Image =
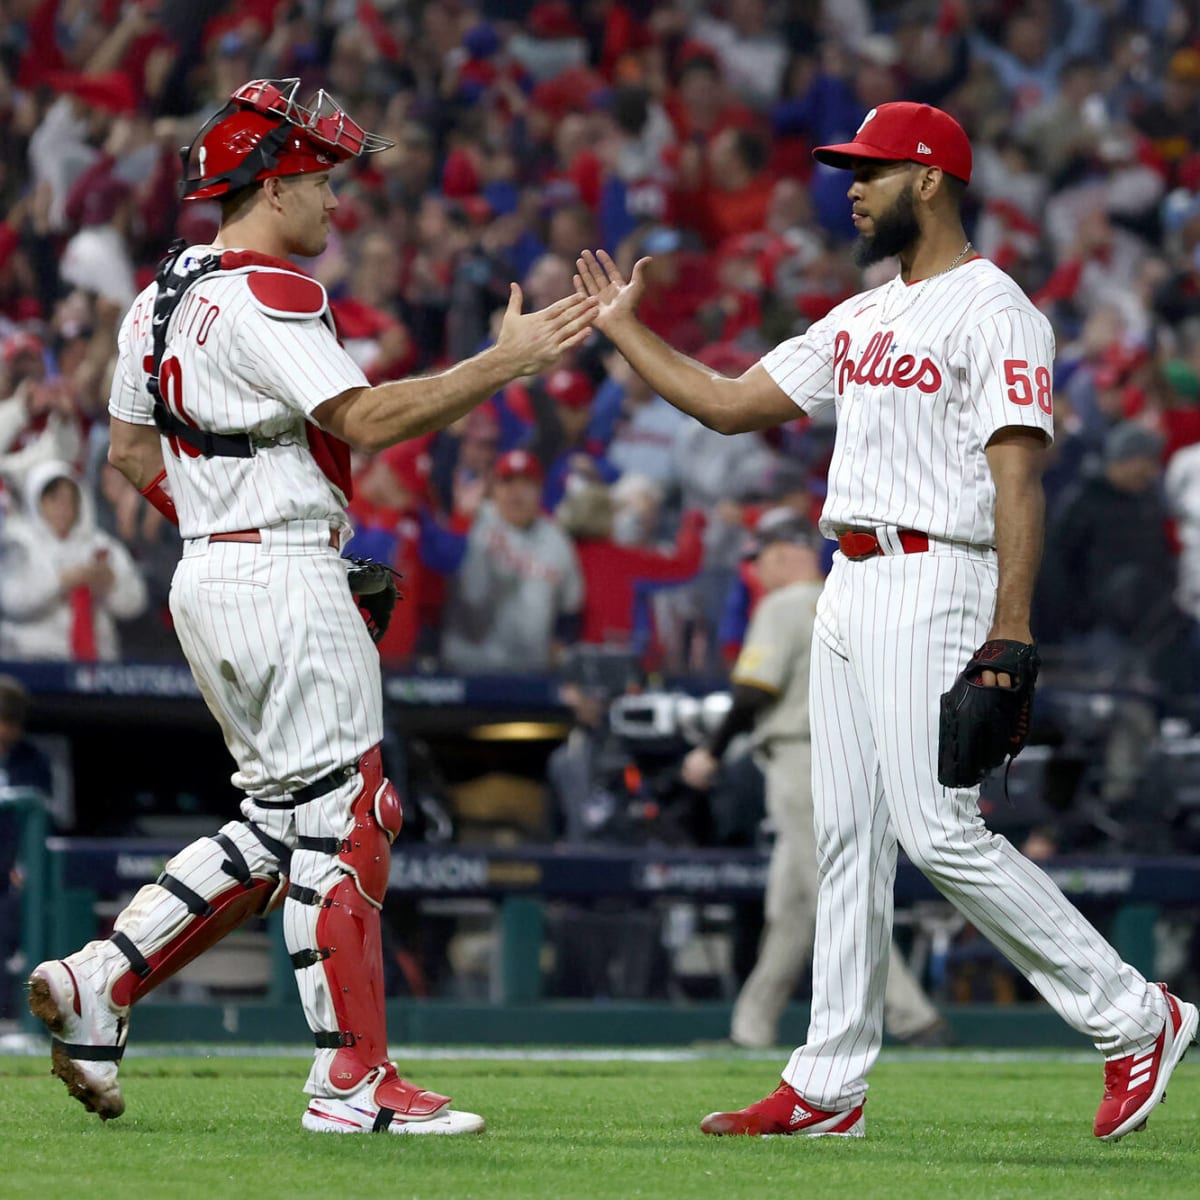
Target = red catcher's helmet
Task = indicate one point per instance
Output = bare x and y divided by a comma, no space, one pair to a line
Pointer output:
264,131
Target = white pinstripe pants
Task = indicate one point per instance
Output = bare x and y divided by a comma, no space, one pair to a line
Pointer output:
280,654
891,634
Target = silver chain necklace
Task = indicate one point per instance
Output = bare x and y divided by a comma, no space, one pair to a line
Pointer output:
910,291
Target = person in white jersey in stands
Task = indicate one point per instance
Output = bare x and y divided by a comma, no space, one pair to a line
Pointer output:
229,371
941,380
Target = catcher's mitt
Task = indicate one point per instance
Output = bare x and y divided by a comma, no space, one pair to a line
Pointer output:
982,726
373,586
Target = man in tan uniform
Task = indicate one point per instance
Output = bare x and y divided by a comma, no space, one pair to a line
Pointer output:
770,695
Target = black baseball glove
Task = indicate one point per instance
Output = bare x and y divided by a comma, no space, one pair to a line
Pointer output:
982,726
373,586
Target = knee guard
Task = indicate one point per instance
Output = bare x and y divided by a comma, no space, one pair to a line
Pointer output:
332,924
205,892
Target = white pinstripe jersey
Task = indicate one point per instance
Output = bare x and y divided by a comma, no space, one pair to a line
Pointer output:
251,351
922,375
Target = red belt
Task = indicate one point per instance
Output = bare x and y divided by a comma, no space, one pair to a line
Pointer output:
255,535
856,544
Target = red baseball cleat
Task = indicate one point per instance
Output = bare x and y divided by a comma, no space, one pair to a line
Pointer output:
785,1113
1133,1085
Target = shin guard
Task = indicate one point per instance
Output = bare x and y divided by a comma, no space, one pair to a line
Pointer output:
340,873
205,892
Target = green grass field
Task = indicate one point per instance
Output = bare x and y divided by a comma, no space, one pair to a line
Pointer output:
970,1126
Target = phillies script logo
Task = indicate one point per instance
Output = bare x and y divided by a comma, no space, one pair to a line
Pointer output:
878,366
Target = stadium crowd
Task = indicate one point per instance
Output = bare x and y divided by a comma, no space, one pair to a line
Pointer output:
579,507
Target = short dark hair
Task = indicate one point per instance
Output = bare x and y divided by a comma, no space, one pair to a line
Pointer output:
234,204
14,700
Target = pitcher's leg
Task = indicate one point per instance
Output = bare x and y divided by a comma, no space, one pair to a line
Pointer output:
856,859
942,609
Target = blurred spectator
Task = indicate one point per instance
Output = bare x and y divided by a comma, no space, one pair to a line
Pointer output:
463,459
1064,132
153,544
751,53
393,524
637,177
1108,576
1030,50
679,283
735,192
38,420
560,437
618,579
63,582
1172,121
518,594
646,432
637,510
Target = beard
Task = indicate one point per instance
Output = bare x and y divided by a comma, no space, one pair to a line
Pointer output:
895,231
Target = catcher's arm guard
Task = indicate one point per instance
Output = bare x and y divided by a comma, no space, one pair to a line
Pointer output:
373,586
982,726
158,492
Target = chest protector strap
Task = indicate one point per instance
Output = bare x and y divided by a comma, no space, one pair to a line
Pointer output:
171,288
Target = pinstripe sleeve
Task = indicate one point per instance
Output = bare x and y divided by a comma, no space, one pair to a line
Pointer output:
803,367
128,399
1011,356
299,361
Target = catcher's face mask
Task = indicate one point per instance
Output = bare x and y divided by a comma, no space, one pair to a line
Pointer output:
265,131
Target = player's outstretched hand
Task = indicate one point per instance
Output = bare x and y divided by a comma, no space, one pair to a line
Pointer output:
535,341
597,276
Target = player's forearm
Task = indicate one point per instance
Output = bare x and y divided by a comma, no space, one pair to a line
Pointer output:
1020,513
378,417
681,381
136,451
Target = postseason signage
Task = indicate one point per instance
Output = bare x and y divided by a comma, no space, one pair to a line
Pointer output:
115,865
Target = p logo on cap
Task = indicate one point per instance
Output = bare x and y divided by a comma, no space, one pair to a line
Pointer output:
905,132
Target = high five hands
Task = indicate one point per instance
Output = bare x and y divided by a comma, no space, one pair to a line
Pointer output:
599,278
535,341
602,300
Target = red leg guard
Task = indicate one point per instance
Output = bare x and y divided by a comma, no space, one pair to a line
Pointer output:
224,913
348,932
378,817
348,926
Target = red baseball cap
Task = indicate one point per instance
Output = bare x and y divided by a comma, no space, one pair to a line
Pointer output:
570,388
410,466
906,132
22,342
519,464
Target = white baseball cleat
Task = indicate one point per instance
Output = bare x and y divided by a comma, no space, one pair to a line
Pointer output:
326,1115
87,1037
